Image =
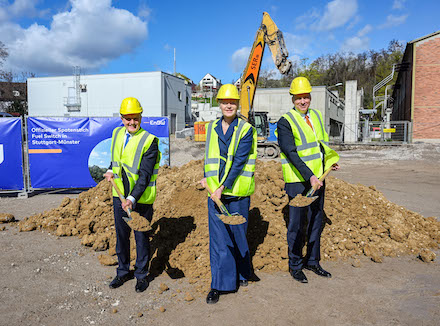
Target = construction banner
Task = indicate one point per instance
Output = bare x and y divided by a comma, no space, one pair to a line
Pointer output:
75,152
11,158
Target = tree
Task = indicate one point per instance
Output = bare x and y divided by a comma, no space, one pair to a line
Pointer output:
3,55
9,84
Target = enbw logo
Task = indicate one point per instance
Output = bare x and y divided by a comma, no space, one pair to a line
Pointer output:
157,122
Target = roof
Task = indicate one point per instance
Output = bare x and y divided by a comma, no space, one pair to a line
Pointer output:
424,37
8,89
211,76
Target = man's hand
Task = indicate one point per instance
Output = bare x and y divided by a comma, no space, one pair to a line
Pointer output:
203,182
108,176
128,204
218,192
314,181
335,167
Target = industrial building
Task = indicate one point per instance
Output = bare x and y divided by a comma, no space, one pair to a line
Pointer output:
160,94
416,92
278,101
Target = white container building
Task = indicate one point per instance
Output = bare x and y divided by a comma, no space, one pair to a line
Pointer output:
160,94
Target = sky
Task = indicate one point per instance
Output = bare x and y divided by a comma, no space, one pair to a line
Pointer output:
49,37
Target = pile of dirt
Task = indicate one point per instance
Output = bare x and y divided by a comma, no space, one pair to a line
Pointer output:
359,221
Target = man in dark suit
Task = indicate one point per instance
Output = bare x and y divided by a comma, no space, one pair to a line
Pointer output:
135,162
305,156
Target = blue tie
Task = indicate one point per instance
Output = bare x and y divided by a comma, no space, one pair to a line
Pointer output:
127,138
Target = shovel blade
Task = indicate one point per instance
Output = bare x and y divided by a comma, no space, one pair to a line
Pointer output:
302,201
234,219
127,219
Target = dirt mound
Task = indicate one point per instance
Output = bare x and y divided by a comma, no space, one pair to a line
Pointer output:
359,221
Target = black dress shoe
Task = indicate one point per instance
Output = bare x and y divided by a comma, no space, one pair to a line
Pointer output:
141,285
213,296
118,281
299,276
243,283
318,270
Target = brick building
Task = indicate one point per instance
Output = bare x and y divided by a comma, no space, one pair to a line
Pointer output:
417,90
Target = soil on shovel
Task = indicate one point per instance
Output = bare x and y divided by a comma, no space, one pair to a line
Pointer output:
139,223
302,201
232,219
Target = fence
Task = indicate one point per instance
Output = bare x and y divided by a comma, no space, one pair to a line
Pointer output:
377,132
58,153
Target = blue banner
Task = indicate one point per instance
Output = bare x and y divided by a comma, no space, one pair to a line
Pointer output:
11,158
73,152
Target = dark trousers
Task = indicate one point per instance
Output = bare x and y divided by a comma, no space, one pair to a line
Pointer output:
228,246
123,241
305,222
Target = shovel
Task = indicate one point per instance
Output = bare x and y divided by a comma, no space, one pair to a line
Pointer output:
302,201
226,217
122,198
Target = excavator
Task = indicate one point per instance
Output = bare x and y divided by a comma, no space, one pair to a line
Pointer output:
269,34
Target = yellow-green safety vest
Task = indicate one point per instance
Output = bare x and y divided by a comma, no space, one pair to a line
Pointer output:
244,184
129,159
308,146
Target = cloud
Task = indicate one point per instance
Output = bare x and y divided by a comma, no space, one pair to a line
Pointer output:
22,8
364,31
89,35
337,13
307,20
359,42
144,11
399,4
354,22
355,44
296,44
239,59
393,21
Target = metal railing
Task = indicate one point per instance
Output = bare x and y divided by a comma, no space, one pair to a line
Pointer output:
380,132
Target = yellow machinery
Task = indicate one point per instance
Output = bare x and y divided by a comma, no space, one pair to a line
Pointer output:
269,34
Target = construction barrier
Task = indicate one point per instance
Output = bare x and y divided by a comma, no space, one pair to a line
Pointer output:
75,152
11,157
200,130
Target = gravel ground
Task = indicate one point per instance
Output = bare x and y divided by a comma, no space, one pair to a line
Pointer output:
48,280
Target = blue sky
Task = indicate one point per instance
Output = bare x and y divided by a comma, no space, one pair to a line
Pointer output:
48,37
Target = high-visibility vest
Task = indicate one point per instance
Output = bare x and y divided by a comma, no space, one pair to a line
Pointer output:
129,159
308,144
244,184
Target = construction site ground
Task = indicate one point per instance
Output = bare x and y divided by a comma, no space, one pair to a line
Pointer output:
52,280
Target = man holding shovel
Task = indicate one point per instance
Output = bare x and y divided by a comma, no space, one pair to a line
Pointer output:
135,162
230,154
305,156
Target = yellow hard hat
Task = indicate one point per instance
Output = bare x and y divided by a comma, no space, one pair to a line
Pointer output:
228,91
300,85
130,105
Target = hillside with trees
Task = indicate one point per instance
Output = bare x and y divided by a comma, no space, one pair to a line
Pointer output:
368,68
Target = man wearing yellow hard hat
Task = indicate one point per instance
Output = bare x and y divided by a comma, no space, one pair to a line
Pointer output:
230,154
134,165
305,156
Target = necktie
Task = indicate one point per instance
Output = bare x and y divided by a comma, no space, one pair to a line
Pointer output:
127,138
308,122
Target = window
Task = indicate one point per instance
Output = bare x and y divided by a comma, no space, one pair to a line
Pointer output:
179,95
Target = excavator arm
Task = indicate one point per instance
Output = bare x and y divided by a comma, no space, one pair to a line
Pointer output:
269,34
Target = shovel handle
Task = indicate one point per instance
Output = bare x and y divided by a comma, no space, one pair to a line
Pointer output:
219,203
121,197
321,178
